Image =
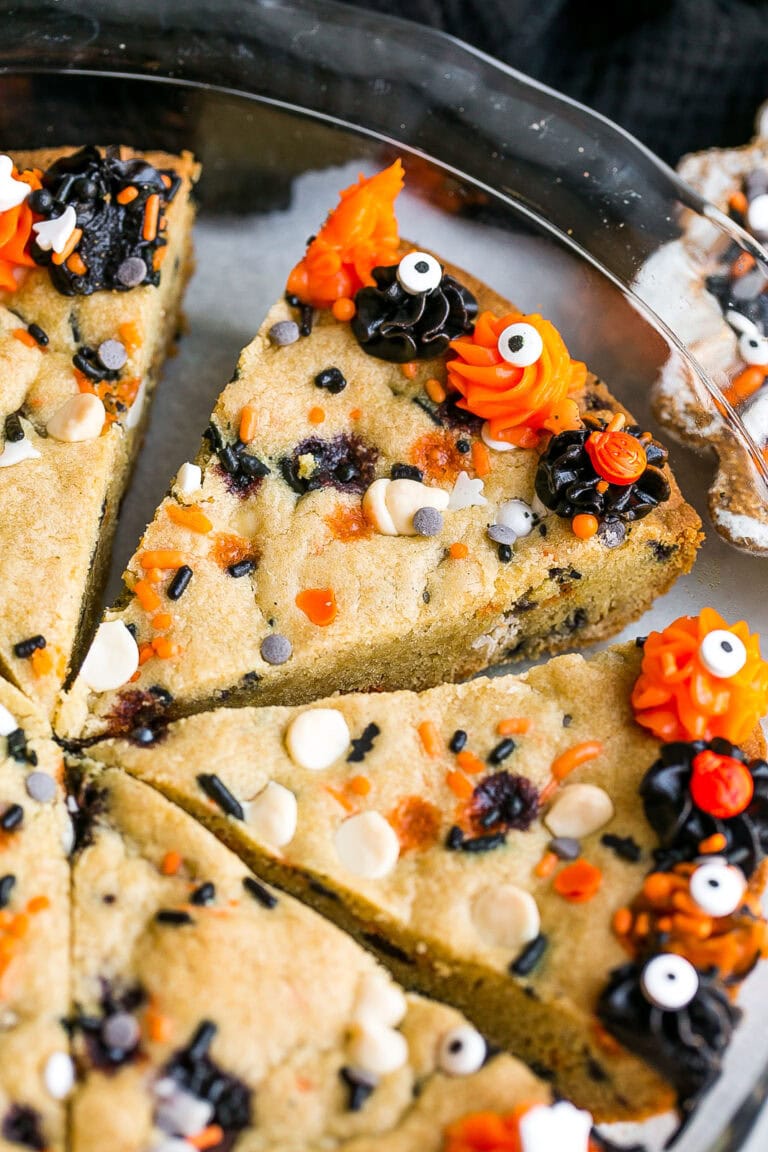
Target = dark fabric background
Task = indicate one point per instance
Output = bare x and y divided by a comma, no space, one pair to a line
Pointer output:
679,74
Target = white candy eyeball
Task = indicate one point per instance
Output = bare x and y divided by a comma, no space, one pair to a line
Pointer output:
722,654
717,888
419,272
669,982
517,515
520,344
462,1051
753,349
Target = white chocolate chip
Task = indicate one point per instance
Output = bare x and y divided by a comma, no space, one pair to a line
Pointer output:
112,658
375,507
466,493
379,1001
317,738
273,815
54,234
757,214
496,445
367,845
183,1113
134,414
59,1075
12,191
578,810
8,722
405,497
558,1126
506,916
189,479
462,1051
377,1051
79,418
17,450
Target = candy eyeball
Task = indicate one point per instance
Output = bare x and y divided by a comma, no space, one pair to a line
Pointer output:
753,349
462,1051
419,272
717,887
722,654
669,982
520,344
517,515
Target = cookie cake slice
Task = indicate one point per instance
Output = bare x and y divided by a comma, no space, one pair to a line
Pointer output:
405,481
573,857
95,251
212,1012
35,839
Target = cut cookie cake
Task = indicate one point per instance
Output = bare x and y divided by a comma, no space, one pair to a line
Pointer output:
573,857
95,250
211,1012
405,481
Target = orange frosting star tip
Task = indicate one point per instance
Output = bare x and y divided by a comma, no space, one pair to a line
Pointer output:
360,234
701,678
520,401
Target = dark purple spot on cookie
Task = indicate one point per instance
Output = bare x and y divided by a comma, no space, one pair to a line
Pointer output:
137,709
194,1070
23,1125
503,802
661,551
346,463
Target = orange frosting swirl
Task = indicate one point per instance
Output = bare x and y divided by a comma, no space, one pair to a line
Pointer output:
677,698
15,232
518,403
616,456
358,235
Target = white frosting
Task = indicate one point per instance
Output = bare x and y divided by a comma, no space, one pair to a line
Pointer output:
16,451
55,234
12,191
8,722
133,416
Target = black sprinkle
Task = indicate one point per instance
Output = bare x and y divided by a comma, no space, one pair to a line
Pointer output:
84,365
216,790
18,749
359,1089
38,335
321,890
463,446
180,582
75,328
524,605
503,749
173,916
595,1071
261,894
406,472
483,843
13,428
425,407
12,817
6,887
25,648
458,740
625,847
505,553
542,529
202,1040
567,720
530,956
306,319
426,597
205,894
640,641
363,744
454,839
133,631
387,947
242,568
332,379
213,436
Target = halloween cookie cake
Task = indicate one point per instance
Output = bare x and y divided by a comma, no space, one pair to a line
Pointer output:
405,481
95,251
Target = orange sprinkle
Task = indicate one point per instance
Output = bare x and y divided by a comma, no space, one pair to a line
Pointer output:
546,865
164,648
146,596
158,256
435,390
210,1137
430,738
343,309
436,454
190,516
316,415
161,558
355,413
76,264
318,605
42,661
72,243
146,652
24,337
126,195
130,336
154,575
409,370
574,757
159,1027
745,384
578,882
742,264
458,551
714,843
171,863
360,785
584,525
249,419
38,904
513,726
601,486
162,621
738,201
622,921
481,458
340,798
151,216
459,784
469,762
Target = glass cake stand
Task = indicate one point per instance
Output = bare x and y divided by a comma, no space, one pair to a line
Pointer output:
285,101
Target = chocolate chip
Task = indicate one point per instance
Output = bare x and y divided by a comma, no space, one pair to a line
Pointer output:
112,355
427,521
132,272
276,649
284,332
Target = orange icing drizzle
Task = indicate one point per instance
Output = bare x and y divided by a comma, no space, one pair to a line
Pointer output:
15,232
678,699
229,549
518,403
348,523
359,234
436,454
14,927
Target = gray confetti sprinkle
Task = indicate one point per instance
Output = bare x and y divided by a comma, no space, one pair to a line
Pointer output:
121,1031
132,272
284,332
112,354
500,534
748,287
565,847
276,649
427,521
41,787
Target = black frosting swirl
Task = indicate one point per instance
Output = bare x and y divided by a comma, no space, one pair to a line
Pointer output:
566,481
681,825
396,325
112,232
685,1046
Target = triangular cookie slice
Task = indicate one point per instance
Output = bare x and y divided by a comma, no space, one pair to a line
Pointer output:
212,1012
357,522
35,838
95,251
491,841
